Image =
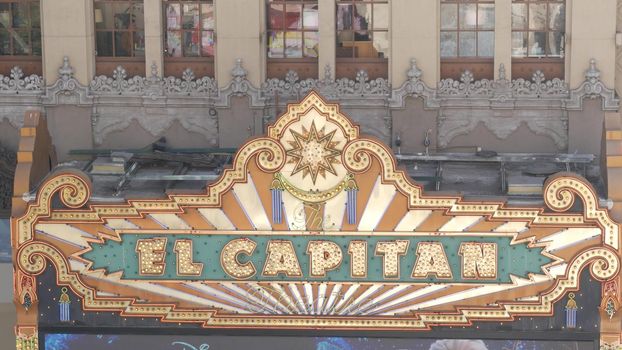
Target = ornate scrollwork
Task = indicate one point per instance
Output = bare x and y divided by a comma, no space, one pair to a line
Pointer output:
67,89
74,192
190,85
361,86
118,83
356,156
465,87
16,82
539,87
291,86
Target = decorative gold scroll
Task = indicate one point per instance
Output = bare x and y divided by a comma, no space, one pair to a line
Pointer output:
365,160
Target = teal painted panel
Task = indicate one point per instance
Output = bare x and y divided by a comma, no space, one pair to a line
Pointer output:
112,256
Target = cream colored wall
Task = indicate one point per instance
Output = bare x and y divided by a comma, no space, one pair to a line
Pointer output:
154,36
68,30
503,37
240,33
592,35
414,34
240,28
327,14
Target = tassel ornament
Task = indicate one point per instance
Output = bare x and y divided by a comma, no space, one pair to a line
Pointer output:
571,312
276,189
351,189
63,305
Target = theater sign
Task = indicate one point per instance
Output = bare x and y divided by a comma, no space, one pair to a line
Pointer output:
315,227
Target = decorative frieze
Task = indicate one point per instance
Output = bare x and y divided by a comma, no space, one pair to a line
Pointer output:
453,98
188,85
539,87
18,83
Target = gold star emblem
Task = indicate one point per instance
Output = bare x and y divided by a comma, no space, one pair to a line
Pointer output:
313,152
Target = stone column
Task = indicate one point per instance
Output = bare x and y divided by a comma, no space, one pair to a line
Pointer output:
68,30
503,37
327,37
592,31
240,33
415,34
154,36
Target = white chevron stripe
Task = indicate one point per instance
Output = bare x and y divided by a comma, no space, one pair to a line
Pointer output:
65,233
294,212
334,210
321,298
331,299
569,237
170,221
513,227
217,218
379,300
412,220
300,301
360,300
460,223
475,292
345,297
379,200
120,224
243,294
248,198
407,299
158,289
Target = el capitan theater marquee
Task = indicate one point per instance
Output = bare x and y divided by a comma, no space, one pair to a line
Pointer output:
314,240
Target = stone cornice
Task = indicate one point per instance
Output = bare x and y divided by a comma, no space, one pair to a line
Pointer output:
191,90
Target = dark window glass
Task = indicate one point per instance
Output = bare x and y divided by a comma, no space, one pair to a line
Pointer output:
538,28
292,28
119,28
467,28
189,28
363,28
20,25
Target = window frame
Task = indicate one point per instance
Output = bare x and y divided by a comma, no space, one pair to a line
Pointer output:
132,30
371,30
547,30
302,30
31,56
476,29
200,31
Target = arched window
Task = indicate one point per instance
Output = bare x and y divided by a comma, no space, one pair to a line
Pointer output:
189,40
538,37
467,38
293,38
120,36
20,36
362,37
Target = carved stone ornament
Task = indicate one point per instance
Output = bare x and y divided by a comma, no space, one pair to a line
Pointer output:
153,86
108,92
592,88
67,89
18,83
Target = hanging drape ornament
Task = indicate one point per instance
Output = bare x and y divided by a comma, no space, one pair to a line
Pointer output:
63,305
276,188
610,299
571,312
27,302
610,309
27,294
351,189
